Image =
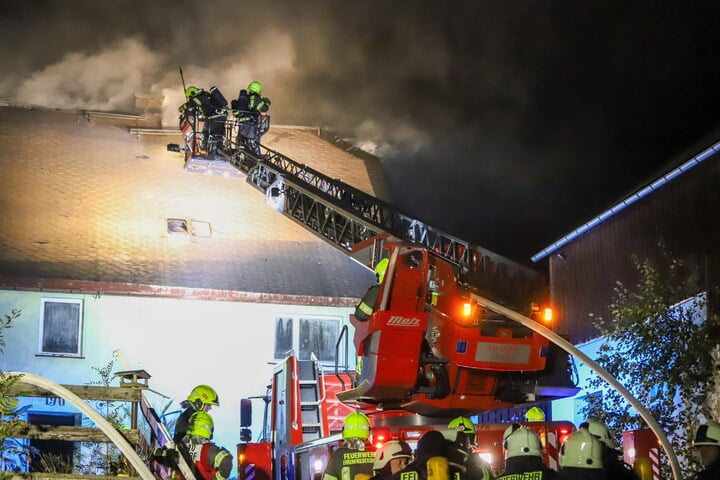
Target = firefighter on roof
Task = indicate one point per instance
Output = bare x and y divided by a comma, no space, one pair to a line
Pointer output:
209,461
352,461
201,399
251,109
523,455
612,463
707,444
365,308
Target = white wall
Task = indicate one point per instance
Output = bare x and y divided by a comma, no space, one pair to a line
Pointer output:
568,408
181,343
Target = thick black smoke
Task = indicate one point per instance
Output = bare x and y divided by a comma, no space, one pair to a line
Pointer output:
505,123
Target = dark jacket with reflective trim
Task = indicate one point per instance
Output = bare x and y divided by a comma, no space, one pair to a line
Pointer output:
527,468
345,463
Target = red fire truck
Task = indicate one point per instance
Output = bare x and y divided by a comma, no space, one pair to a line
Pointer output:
427,354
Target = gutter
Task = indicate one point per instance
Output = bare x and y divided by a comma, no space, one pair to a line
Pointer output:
618,207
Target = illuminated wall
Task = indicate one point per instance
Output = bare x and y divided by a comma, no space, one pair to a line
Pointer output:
181,343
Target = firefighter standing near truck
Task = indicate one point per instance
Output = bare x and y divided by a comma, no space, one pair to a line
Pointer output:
201,398
392,457
353,460
209,461
431,460
707,445
581,457
523,455
616,468
465,438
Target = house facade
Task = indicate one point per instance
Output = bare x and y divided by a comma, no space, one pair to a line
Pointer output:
113,253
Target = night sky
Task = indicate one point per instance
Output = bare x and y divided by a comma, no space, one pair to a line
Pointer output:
506,123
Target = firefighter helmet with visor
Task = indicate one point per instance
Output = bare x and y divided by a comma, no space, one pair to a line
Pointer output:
203,395
201,425
581,450
600,431
191,91
255,87
356,425
707,434
465,428
522,442
390,451
380,269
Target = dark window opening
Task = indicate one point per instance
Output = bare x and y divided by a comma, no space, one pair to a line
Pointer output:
52,456
177,225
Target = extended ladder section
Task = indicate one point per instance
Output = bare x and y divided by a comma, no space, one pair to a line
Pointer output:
311,397
162,437
357,222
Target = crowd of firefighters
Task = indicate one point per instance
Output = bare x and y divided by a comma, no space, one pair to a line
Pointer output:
250,110
588,453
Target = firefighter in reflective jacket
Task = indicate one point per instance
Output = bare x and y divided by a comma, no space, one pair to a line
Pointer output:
581,457
365,308
251,109
462,438
209,461
616,468
211,106
523,455
352,461
201,398
433,460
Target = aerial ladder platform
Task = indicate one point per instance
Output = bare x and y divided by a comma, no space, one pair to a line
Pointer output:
369,229
359,223
352,220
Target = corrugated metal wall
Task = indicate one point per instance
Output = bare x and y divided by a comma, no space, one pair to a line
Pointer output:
685,213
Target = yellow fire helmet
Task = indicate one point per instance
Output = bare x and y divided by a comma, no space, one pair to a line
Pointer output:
201,425
356,425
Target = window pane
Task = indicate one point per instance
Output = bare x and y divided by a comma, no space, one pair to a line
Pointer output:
61,327
283,337
319,337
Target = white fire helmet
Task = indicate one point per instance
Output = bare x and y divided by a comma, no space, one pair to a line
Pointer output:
602,433
390,450
707,434
581,450
523,442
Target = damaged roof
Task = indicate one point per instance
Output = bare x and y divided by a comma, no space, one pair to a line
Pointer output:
86,204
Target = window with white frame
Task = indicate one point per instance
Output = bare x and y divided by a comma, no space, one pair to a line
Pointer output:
61,323
305,336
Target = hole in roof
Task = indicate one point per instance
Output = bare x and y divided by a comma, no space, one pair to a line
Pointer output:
177,225
142,157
